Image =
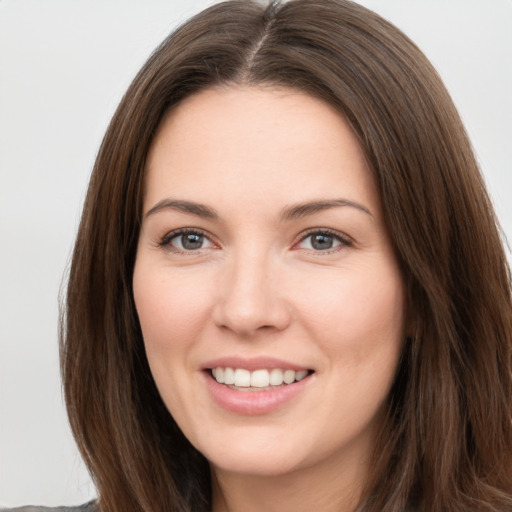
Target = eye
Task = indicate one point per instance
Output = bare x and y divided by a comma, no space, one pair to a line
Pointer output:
186,241
322,240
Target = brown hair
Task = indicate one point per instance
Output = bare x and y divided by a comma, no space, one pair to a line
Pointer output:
446,443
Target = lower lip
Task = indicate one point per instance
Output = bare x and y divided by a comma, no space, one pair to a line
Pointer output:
253,403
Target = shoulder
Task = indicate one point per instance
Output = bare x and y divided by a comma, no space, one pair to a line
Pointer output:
91,506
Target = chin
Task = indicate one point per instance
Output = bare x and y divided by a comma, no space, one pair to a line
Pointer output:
255,464
252,453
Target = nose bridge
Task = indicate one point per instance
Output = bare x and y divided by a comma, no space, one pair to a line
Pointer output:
250,295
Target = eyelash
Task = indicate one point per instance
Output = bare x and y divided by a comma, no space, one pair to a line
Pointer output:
165,242
344,240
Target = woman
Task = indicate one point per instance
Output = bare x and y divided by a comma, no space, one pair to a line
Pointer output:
288,289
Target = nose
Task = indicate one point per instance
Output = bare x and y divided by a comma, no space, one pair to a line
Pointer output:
251,298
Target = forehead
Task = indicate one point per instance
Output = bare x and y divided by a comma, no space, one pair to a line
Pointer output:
256,140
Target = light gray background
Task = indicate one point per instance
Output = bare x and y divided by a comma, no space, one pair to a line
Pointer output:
64,65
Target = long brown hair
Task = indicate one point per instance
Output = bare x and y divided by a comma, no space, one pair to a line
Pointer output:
446,443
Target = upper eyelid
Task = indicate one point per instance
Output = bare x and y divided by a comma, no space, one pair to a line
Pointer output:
179,231
332,232
164,241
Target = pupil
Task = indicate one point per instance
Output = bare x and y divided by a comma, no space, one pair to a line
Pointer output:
322,242
192,241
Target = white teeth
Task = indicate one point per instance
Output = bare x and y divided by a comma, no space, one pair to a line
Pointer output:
229,376
288,376
276,377
219,375
298,375
243,378
260,379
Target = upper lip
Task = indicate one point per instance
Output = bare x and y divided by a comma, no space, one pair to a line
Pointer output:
254,363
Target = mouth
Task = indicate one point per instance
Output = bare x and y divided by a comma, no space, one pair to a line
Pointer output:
241,379
256,386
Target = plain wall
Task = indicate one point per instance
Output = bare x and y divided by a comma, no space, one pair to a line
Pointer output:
64,65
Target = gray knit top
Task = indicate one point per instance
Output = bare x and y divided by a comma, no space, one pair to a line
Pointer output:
91,506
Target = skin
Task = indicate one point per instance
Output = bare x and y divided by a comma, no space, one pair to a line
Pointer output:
257,286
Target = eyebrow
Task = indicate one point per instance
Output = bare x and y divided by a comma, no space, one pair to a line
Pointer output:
301,210
296,211
201,210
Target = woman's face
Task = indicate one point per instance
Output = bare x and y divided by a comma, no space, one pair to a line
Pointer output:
263,256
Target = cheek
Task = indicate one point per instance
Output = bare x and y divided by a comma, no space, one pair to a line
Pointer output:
358,323
357,314
171,307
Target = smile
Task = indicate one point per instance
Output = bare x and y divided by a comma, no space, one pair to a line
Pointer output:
230,385
242,379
